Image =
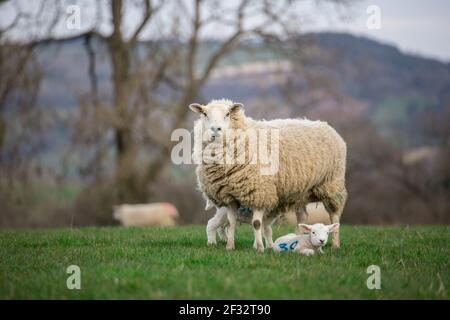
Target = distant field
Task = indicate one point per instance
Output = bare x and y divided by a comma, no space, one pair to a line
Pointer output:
175,263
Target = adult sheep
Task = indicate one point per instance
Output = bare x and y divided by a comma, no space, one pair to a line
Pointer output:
311,166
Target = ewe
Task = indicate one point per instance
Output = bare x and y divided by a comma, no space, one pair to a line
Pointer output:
315,238
310,166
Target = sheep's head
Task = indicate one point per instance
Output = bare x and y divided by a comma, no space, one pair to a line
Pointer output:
117,212
318,232
216,117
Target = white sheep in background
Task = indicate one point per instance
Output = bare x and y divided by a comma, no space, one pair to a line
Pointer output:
140,215
311,167
307,244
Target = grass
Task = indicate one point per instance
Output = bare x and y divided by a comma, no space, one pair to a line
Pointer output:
175,263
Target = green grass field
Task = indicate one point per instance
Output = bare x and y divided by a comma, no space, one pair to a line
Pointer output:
175,263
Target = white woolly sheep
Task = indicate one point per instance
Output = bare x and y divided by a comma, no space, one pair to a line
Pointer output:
307,244
311,167
139,215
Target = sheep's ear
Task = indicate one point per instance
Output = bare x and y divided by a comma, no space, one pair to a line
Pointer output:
236,107
304,227
333,227
196,107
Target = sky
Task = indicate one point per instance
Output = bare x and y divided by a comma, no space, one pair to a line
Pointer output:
420,27
415,26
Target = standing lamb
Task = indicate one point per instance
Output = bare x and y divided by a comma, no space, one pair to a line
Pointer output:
311,167
219,224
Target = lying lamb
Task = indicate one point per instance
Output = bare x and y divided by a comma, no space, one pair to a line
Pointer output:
312,239
311,168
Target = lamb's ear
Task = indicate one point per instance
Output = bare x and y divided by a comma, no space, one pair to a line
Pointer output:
209,205
236,107
333,227
304,227
196,107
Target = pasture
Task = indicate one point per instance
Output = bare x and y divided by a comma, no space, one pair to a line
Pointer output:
175,263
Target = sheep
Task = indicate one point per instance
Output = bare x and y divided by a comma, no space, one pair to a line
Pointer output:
307,244
154,214
311,167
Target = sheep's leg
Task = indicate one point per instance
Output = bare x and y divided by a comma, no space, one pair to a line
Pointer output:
335,242
257,222
302,216
214,223
335,206
231,215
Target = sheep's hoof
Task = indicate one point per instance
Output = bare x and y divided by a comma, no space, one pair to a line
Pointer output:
212,243
335,247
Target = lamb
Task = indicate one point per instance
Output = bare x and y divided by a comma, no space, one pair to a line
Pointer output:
154,214
307,244
219,224
311,167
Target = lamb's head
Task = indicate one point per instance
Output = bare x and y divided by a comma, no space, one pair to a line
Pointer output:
318,232
216,117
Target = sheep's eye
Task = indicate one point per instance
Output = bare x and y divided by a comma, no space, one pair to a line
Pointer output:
204,113
228,114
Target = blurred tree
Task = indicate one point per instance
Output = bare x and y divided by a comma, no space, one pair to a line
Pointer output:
152,81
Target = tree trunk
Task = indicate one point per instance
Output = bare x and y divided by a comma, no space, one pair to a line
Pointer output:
120,56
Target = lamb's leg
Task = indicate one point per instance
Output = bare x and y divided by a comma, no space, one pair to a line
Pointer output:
231,215
302,216
214,223
222,230
257,222
307,252
268,234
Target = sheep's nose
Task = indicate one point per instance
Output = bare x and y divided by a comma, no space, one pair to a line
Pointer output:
322,241
216,129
